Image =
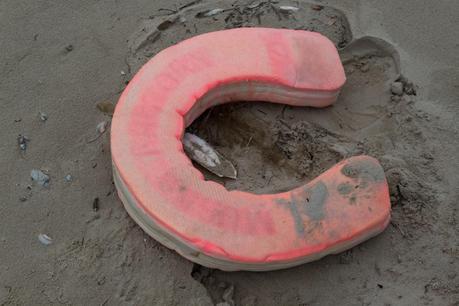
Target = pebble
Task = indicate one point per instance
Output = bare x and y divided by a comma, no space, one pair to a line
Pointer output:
317,7
397,88
22,142
228,295
68,178
365,68
39,177
396,98
69,48
222,285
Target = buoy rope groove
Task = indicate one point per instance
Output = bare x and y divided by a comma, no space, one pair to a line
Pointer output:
201,220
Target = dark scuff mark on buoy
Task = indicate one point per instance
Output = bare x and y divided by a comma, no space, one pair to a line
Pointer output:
365,170
310,202
292,206
316,197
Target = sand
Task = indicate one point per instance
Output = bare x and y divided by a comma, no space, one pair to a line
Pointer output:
64,58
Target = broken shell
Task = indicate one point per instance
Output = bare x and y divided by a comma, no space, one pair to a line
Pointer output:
101,127
43,116
45,239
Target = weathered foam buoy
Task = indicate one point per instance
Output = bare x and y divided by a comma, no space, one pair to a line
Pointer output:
201,220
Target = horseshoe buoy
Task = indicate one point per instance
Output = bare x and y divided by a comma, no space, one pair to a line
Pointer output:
201,220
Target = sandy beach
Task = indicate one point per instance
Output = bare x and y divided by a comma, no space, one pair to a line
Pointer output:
67,239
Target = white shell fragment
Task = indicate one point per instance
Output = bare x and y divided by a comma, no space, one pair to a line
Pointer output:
210,13
43,116
288,9
39,177
45,239
101,127
201,152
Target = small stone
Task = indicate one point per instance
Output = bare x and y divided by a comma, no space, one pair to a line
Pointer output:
69,48
365,68
40,177
106,107
410,89
101,127
68,178
397,88
222,285
123,73
452,275
228,294
95,204
317,7
395,98
23,199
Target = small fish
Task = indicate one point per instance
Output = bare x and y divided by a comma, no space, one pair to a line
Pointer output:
209,13
202,153
45,239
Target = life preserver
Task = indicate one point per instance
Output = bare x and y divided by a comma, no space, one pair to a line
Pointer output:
201,220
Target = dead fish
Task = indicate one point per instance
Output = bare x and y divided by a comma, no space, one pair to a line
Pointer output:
40,177
209,13
288,9
22,142
106,107
45,239
202,153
